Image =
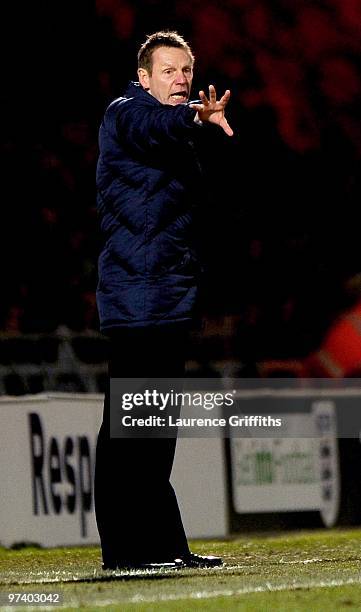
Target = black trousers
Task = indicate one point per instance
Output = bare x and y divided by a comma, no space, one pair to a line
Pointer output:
136,507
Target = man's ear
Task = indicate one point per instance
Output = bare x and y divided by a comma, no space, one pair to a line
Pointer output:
143,78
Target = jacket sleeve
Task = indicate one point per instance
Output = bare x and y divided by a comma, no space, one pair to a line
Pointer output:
144,127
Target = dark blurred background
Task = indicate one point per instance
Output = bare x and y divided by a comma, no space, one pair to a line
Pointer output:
279,226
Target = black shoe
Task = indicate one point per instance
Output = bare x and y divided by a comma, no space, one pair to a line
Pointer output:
199,561
127,566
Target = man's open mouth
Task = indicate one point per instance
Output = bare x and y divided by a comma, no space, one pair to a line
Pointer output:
180,95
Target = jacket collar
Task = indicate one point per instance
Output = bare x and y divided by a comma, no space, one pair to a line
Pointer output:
135,89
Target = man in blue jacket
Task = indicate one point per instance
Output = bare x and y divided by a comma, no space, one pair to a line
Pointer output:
148,181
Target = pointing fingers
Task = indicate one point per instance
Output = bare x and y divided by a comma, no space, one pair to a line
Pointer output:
213,97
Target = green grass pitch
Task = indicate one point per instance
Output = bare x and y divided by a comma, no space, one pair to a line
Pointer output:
283,572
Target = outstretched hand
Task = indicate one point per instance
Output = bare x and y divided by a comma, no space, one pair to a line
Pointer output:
212,110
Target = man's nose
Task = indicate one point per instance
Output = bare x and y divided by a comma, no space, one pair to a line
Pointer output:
181,78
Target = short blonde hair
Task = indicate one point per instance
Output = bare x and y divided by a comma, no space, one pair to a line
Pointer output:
163,38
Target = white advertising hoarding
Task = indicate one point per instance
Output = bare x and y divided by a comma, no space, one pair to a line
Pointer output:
46,469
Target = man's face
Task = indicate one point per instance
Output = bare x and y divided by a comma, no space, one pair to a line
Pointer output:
171,78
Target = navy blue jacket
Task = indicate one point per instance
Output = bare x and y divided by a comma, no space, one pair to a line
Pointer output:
148,182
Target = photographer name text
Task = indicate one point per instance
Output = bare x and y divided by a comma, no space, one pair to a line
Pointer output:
171,421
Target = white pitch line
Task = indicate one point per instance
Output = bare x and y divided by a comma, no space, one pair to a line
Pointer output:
198,595
269,588
248,590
